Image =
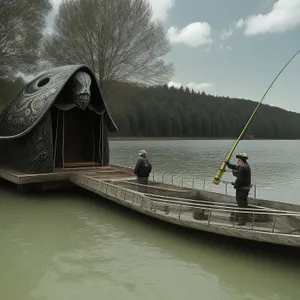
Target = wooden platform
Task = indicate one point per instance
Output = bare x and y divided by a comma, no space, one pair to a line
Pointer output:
86,164
103,173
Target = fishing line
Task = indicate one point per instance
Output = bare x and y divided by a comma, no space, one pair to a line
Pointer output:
220,172
259,114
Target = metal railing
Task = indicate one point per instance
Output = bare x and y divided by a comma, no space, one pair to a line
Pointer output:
190,182
186,212
161,177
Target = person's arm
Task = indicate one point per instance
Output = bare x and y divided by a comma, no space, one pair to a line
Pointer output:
137,166
231,166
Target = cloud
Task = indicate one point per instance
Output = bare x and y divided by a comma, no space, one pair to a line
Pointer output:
193,35
240,23
226,34
224,47
284,16
161,8
201,87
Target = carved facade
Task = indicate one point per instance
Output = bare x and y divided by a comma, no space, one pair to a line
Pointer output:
59,119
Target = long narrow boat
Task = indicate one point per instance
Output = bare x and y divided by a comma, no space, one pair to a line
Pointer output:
182,204
268,221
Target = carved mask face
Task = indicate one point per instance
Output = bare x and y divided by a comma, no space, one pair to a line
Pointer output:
81,88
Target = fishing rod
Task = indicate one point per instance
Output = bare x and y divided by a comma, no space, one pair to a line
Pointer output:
217,178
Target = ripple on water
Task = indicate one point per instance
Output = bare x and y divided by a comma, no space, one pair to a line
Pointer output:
80,247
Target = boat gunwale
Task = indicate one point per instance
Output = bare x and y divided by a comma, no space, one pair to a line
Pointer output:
288,239
263,210
202,202
170,217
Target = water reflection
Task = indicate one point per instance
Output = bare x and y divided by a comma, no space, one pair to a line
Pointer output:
80,247
77,246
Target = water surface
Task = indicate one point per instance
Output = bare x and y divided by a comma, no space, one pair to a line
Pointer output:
78,246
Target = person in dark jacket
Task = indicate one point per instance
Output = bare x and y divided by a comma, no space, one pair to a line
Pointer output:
143,168
242,184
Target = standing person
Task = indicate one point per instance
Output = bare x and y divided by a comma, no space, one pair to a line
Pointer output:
142,168
242,184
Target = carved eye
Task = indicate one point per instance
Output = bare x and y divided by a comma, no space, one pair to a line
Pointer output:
37,84
43,82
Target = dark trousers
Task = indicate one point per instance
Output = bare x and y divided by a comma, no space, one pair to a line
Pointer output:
242,202
142,180
241,196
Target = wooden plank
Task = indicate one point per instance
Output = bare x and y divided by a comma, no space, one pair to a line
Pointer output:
103,173
81,164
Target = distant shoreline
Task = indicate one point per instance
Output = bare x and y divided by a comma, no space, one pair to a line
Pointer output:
135,138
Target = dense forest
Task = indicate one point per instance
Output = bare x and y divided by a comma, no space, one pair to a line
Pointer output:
169,112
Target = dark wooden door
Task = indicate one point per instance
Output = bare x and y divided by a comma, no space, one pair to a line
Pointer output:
75,144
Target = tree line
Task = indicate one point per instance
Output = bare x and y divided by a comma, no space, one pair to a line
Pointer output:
169,112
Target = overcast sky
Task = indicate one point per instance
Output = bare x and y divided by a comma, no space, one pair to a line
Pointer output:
234,47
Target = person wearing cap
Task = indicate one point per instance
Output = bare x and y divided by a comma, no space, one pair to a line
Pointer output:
242,184
142,168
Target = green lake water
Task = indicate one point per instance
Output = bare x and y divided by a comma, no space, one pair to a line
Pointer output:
75,245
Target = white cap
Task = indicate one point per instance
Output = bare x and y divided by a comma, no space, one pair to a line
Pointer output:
142,152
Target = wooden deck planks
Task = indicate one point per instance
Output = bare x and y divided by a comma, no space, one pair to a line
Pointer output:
103,173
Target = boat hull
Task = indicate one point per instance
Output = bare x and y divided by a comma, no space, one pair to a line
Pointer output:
183,216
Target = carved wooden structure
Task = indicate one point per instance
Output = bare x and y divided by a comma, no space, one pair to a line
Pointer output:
58,120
